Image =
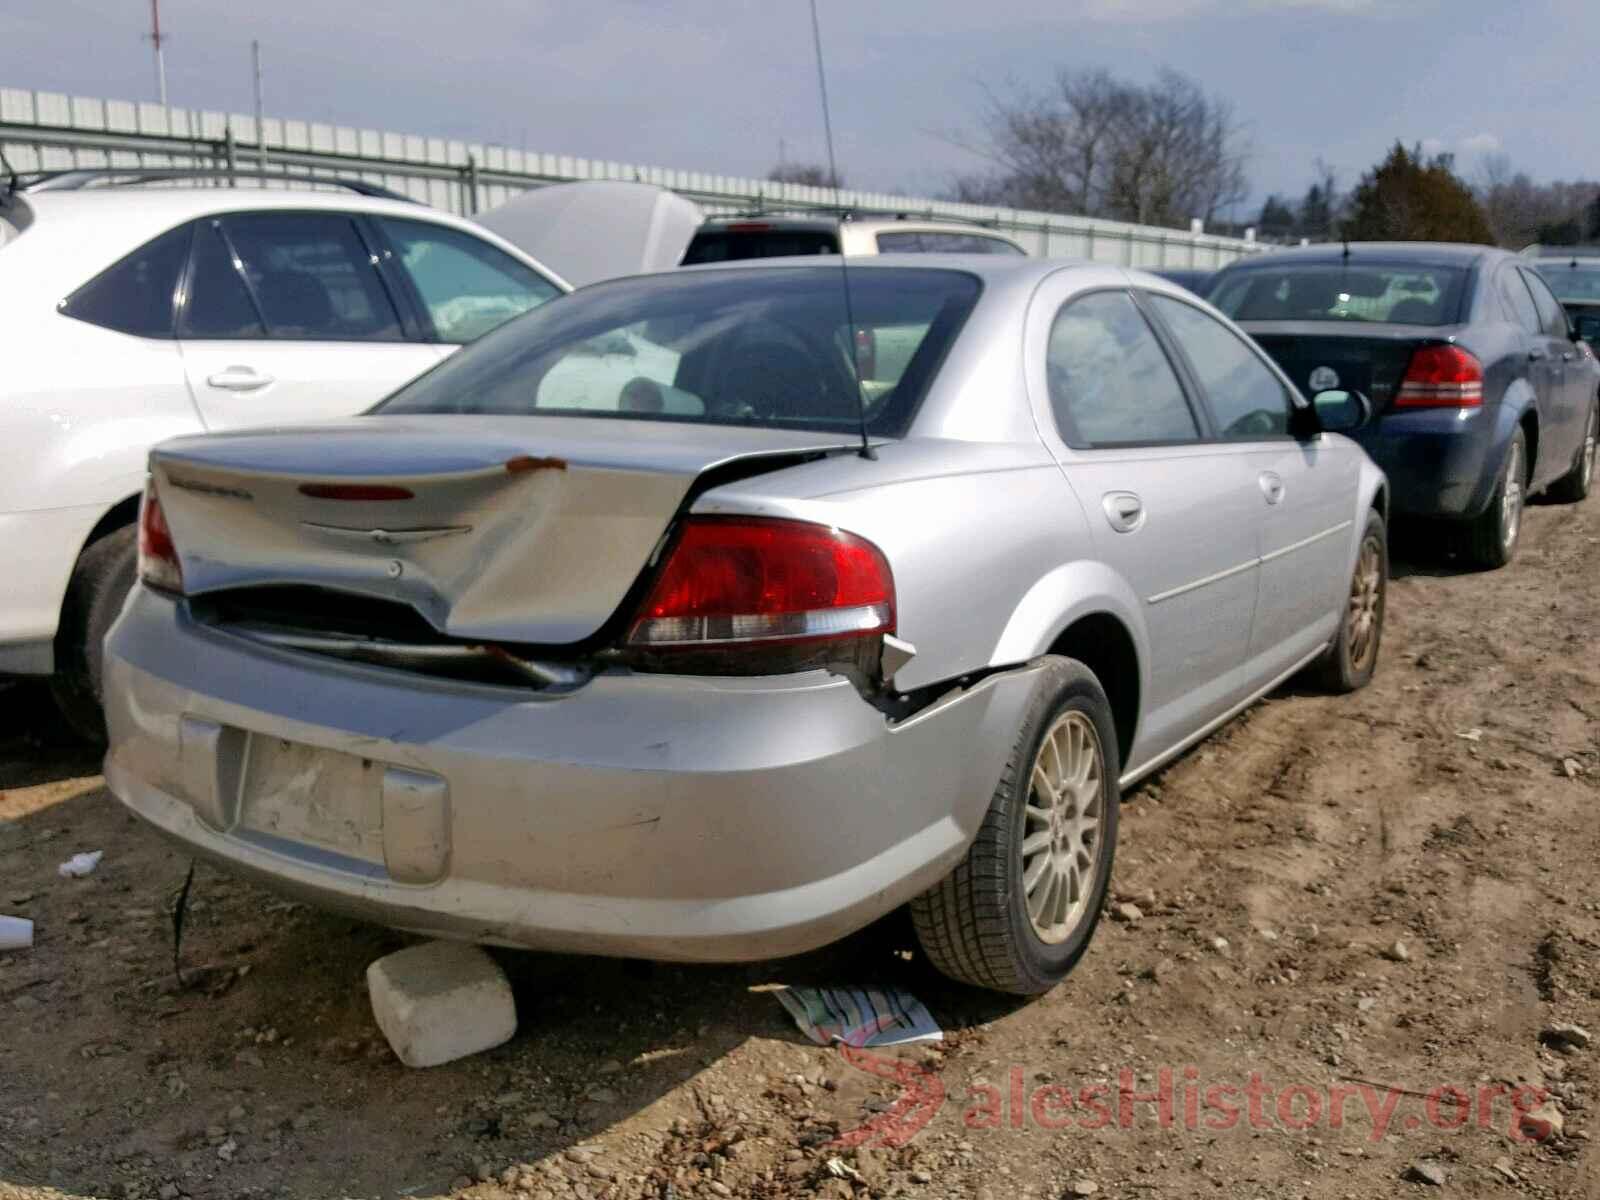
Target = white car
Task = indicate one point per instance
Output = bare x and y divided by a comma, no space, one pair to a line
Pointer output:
135,314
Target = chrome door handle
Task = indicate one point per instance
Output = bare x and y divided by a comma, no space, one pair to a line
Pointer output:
239,379
1271,486
1124,510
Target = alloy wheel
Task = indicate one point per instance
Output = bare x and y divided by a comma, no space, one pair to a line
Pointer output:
1511,497
1366,601
1589,439
1062,827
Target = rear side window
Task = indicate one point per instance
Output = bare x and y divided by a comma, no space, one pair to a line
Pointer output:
1109,380
1247,399
1518,303
217,304
1552,317
135,295
1399,294
729,245
467,285
312,277
935,242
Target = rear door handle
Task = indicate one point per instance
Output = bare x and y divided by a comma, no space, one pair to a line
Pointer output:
1536,354
1271,486
1124,510
239,379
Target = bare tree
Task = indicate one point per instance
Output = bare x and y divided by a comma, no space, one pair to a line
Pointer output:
1159,153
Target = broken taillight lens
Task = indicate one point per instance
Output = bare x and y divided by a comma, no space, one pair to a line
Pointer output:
760,595
158,555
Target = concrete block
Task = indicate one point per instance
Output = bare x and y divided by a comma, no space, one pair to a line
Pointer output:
440,1001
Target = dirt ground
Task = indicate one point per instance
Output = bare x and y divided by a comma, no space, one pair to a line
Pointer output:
1263,882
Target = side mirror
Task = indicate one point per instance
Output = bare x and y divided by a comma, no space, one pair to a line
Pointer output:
1339,411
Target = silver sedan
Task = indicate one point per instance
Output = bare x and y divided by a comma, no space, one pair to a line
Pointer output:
708,616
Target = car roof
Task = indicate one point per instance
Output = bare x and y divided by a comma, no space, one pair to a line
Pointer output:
871,222
1438,254
999,272
94,227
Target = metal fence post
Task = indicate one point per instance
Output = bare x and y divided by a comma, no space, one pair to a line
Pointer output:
232,153
470,174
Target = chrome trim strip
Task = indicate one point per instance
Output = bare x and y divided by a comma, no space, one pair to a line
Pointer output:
1304,542
1245,566
1132,777
1200,583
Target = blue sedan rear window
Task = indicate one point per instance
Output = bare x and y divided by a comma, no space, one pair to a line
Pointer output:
1396,293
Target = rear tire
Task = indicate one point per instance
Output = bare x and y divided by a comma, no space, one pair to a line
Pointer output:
100,583
1351,660
1052,823
1492,536
1574,485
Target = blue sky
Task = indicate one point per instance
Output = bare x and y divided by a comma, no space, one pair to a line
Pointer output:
716,84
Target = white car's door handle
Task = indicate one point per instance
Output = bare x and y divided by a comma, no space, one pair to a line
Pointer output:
239,379
1272,486
1124,510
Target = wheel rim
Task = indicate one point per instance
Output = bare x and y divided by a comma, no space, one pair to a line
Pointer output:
1062,832
1588,448
1366,603
1511,497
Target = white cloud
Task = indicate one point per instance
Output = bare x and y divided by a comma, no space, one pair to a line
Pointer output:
1479,143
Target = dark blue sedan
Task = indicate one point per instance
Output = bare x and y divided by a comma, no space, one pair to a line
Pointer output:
1480,395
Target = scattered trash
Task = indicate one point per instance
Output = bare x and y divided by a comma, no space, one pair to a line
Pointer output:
1084,1187
1502,1167
1571,768
1396,952
1555,1035
80,865
860,1016
840,1169
16,933
1543,1122
1471,735
1425,1172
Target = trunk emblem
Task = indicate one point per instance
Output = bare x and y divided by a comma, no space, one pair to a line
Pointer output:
1324,379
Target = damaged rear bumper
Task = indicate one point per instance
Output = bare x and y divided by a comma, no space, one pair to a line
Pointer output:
656,816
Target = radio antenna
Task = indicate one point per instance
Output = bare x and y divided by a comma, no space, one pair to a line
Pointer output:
844,268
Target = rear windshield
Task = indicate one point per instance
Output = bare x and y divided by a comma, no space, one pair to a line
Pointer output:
763,347
1570,281
1400,294
727,245
932,241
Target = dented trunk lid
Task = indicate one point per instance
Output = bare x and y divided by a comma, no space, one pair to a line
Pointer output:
515,529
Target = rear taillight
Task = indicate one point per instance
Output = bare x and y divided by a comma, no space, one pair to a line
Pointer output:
760,595
158,556
1441,377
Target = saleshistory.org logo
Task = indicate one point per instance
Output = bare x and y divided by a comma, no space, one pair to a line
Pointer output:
1181,1098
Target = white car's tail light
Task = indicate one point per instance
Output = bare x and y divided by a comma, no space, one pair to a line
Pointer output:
756,594
158,556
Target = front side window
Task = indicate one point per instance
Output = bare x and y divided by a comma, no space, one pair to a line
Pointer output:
1247,399
1552,317
1518,301
467,285
767,348
312,277
1401,294
938,242
135,295
1109,380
